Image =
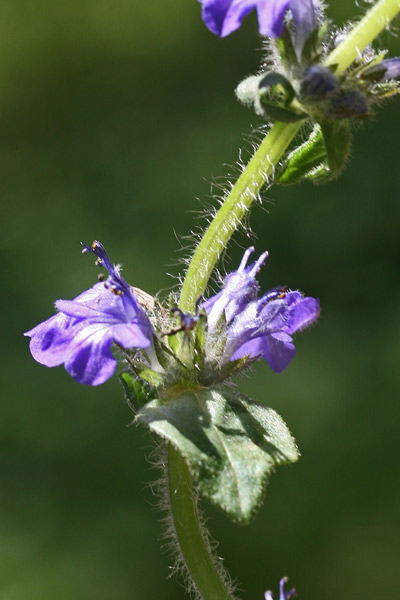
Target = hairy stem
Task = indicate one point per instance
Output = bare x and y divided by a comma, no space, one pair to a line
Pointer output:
373,23
207,576
231,213
194,547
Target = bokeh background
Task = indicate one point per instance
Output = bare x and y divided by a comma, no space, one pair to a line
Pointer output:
114,119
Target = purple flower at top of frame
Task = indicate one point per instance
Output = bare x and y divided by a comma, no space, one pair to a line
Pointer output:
222,17
81,334
259,327
282,594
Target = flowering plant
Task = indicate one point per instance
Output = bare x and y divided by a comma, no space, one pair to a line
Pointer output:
181,354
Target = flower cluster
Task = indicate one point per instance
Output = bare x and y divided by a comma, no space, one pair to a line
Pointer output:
235,325
297,81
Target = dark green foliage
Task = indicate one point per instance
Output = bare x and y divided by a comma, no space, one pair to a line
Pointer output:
231,444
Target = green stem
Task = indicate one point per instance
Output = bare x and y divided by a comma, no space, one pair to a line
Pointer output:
194,548
370,26
231,213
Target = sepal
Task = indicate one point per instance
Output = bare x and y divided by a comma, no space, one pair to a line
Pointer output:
272,95
337,140
231,444
136,393
285,49
303,160
275,97
321,157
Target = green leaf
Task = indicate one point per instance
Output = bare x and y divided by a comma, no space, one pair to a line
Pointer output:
231,445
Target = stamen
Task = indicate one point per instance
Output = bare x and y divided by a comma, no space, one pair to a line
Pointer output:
188,322
115,282
256,267
245,258
275,294
282,293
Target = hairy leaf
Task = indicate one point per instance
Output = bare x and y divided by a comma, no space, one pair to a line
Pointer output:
231,444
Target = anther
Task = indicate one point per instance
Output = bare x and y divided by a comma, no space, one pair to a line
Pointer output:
282,293
101,276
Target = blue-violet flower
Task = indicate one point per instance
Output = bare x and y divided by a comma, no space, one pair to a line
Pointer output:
389,68
259,327
240,287
222,17
282,594
81,334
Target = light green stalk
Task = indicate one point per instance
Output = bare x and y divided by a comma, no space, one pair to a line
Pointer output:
195,552
373,23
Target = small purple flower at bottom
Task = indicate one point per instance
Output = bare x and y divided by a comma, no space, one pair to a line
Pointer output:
81,334
282,594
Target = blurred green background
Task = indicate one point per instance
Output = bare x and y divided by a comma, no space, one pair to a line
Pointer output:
114,119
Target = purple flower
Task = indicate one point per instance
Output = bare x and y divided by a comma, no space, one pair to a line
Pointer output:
282,594
239,288
259,327
388,68
223,17
81,334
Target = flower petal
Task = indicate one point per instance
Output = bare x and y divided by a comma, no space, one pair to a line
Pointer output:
277,349
389,66
130,335
111,311
302,314
305,21
222,17
270,16
90,360
240,288
50,340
